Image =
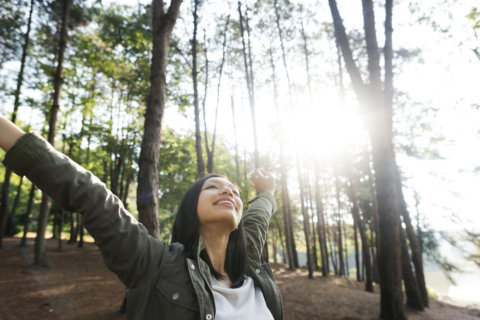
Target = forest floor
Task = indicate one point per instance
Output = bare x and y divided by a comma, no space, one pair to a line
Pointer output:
78,286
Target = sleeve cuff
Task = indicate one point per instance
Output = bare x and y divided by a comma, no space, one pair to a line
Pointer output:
26,151
268,196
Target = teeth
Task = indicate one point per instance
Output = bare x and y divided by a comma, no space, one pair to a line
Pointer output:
224,201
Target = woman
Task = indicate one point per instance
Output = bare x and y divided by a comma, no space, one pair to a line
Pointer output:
211,270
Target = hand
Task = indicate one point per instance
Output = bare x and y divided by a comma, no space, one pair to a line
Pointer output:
262,181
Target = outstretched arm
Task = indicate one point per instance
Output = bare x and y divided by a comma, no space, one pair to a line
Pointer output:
126,247
9,133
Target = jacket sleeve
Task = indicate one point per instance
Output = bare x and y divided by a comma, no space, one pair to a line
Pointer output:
256,220
126,247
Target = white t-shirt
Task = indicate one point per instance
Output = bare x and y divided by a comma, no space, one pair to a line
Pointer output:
245,302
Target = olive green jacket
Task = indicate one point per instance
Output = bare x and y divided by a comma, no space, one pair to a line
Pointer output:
162,283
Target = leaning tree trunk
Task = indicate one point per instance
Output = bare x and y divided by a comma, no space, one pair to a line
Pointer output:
16,104
414,298
373,101
147,188
39,251
412,239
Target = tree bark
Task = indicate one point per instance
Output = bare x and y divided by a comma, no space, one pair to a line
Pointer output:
147,188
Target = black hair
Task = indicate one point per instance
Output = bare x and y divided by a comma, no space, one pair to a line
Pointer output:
185,231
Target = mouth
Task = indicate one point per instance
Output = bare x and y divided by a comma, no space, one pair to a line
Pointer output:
225,203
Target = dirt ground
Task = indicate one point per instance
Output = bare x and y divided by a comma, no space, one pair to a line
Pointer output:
79,287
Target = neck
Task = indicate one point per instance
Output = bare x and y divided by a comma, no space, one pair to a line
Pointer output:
216,246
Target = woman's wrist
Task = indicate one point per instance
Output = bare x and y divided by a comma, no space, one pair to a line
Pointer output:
9,133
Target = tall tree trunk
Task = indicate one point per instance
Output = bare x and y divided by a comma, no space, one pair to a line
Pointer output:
147,187
39,251
333,254
372,99
60,229
306,225
345,250
237,160
16,104
363,235
375,240
11,216
357,260
412,239
321,227
211,152
250,86
287,216
339,229
313,230
198,135
282,243
414,298
26,220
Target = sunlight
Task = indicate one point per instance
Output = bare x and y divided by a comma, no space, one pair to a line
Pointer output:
324,132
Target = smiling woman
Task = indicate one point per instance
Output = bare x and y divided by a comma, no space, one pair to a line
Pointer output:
212,246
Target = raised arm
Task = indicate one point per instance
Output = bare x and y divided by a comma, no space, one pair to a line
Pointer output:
258,214
126,247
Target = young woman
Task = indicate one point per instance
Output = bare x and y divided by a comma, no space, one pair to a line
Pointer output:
211,270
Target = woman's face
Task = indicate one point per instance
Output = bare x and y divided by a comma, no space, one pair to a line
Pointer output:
219,204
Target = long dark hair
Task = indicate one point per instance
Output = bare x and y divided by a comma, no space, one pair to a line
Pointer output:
185,231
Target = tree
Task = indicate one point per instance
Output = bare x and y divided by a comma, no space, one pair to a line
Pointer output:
147,188
247,61
198,136
16,104
377,101
39,258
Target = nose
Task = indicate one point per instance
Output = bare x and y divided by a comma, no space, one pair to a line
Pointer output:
227,191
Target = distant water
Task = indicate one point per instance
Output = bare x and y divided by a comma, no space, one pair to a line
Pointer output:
466,289
464,292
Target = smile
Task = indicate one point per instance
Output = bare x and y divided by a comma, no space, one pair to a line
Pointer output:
225,203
